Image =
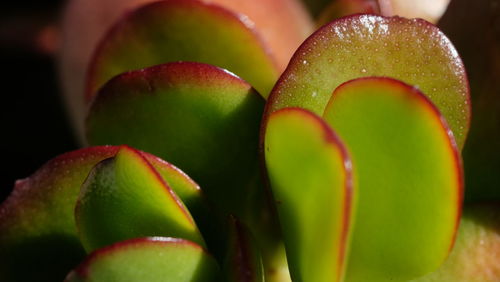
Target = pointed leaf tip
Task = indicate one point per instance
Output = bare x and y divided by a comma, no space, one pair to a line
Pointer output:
124,197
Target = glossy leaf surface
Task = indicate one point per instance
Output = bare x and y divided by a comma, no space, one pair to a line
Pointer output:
123,198
310,177
413,51
409,176
188,30
148,259
198,117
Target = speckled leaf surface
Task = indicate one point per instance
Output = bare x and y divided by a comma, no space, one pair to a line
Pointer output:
124,197
148,259
198,117
410,180
476,253
310,176
188,30
413,51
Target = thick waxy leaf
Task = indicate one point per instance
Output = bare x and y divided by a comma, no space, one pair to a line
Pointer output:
38,237
124,197
86,21
38,240
207,220
413,51
409,176
148,259
473,28
186,30
476,253
243,261
310,176
199,117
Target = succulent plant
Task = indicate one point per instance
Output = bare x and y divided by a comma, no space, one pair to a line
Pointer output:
215,155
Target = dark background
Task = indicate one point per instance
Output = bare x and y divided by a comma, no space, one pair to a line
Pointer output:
34,127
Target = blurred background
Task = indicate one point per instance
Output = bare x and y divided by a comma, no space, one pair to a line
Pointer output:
33,122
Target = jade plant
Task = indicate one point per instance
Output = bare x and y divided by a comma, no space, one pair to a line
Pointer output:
218,149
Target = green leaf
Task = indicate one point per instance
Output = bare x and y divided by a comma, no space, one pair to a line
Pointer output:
124,197
310,177
413,51
198,117
476,253
169,31
409,175
38,238
148,259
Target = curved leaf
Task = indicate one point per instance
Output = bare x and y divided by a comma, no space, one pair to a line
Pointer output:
413,51
38,239
199,117
409,175
310,176
148,259
123,198
476,253
187,30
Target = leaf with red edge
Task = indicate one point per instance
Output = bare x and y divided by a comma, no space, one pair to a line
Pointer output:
124,197
187,30
413,51
38,237
201,118
148,259
310,176
409,175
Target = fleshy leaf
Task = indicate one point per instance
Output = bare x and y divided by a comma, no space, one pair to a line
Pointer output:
188,30
413,51
199,117
38,237
123,198
410,180
476,253
148,259
38,240
310,176
243,261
